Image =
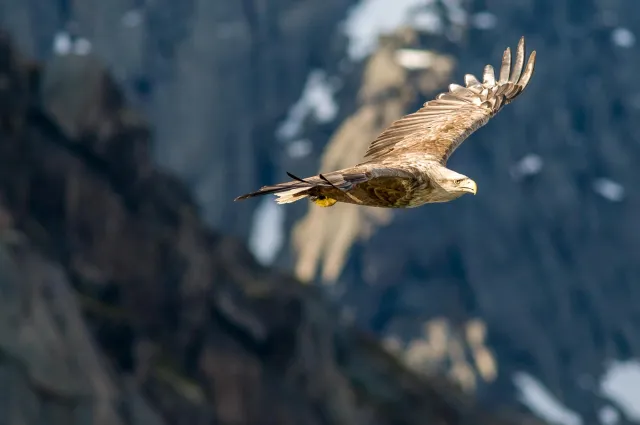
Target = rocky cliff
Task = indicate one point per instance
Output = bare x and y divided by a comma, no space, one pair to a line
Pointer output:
535,274
540,267
119,306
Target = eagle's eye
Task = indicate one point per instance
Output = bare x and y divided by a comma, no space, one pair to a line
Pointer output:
459,181
321,197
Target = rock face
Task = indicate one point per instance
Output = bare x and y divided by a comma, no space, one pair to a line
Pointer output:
536,273
119,306
545,256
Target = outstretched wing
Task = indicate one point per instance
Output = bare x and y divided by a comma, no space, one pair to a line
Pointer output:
442,124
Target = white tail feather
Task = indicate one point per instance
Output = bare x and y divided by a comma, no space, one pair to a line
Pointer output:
291,195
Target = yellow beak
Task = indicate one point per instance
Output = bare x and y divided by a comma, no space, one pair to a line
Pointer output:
470,187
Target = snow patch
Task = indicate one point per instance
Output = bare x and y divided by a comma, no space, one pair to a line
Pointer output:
484,20
317,99
608,415
267,231
621,384
82,47
455,11
529,165
427,21
62,43
132,18
414,59
371,18
623,37
609,189
541,402
299,148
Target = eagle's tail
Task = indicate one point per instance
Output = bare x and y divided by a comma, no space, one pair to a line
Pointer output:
318,188
286,192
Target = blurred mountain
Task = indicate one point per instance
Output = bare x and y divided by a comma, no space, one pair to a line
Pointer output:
119,306
535,277
212,76
537,274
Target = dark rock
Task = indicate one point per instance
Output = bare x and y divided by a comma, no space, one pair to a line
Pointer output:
547,262
120,306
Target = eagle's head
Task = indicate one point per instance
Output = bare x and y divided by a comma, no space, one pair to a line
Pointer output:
456,184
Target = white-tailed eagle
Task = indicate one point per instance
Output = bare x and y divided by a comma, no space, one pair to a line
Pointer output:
406,165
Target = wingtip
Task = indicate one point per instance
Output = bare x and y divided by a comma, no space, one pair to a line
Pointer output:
531,62
245,196
488,75
505,66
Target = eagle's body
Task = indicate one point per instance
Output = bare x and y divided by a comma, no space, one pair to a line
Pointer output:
388,183
405,166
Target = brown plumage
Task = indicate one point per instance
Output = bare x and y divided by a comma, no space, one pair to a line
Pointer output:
405,166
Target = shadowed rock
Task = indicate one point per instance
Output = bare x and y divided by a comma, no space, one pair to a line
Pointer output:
120,306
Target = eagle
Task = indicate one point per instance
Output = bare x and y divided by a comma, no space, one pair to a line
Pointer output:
406,165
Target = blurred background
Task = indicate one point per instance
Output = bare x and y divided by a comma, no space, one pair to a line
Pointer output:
133,290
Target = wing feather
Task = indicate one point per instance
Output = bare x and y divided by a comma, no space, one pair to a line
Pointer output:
489,77
506,64
443,123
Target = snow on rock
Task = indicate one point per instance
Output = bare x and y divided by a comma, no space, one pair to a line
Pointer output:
267,231
132,18
317,99
414,58
484,20
542,403
427,21
529,165
82,47
299,148
371,18
62,43
608,415
455,11
621,384
608,189
623,37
